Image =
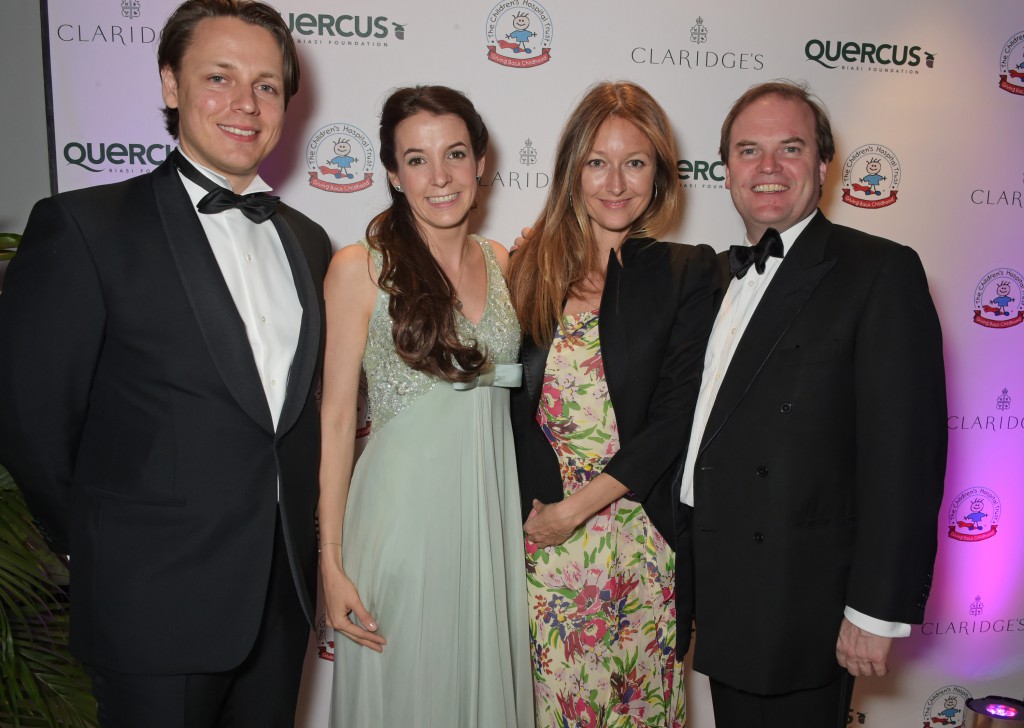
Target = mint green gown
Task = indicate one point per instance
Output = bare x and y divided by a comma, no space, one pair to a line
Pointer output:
433,541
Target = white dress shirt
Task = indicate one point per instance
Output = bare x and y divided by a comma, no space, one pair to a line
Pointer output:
738,306
254,265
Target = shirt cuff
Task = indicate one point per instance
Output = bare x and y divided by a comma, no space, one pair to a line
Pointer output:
876,626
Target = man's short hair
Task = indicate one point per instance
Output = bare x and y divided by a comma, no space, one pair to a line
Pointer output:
177,33
788,90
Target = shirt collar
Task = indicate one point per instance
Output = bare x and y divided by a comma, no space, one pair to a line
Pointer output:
790,235
257,184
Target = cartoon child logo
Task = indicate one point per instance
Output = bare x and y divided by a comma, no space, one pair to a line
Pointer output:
343,161
947,716
946,706
1003,300
871,177
973,520
518,34
521,34
997,299
974,515
338,153
1011,65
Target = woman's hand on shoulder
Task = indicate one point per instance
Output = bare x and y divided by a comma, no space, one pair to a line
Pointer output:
521,240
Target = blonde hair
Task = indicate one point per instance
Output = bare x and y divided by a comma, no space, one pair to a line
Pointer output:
562,253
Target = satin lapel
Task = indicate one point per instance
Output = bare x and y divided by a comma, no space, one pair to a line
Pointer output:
613,331
308,347
535,359
800,273
209,296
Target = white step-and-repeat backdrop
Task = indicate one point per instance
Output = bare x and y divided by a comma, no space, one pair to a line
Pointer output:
927,99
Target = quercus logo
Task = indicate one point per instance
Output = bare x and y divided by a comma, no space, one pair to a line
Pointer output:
346,26
114,156
854,55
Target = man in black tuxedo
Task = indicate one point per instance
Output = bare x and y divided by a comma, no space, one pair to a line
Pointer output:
816,462
158,395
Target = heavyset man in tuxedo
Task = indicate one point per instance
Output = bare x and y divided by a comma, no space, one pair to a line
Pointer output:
158,395
816,462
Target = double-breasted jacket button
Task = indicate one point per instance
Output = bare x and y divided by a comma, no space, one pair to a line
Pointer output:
786,407
758,537
762,471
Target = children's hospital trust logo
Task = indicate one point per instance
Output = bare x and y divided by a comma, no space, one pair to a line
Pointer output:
340,158
518,34
1011,65
324,639
871,177
974,515
997,299
946,707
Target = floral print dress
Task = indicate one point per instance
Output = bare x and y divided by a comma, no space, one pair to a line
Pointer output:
602,604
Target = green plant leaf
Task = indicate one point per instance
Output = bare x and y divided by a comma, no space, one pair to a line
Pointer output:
40,683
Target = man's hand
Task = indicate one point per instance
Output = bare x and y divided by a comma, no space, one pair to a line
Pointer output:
860,652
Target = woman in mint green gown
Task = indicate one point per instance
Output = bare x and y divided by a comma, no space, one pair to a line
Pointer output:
421,550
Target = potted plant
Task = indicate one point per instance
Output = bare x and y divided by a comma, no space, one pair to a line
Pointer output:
40,683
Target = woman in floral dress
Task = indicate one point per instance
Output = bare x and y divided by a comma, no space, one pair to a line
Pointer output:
616,324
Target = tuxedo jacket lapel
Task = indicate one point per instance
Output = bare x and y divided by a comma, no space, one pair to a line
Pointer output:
803,268
625,285
534,361
208,294
304,363
614,336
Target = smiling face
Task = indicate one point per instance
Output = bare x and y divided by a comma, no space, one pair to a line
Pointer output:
437,171
873,167
617,181
773,172
342,148
521,22
229,95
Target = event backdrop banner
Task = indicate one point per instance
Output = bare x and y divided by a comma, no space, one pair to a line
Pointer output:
927,99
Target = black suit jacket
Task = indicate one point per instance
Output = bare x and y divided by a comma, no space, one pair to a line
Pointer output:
820,472
656,314
133,419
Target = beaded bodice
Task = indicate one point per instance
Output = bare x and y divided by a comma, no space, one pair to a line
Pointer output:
393,385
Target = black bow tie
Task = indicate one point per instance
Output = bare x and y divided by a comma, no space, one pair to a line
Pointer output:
741,257
257,206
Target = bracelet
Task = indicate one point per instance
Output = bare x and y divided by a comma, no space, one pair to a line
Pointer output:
327,543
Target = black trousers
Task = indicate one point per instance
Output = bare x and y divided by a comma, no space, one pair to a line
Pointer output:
824,707
262,691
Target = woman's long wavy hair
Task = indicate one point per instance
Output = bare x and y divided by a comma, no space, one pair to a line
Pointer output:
422,296
561,252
